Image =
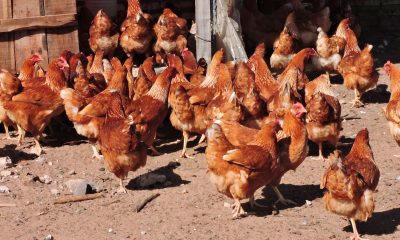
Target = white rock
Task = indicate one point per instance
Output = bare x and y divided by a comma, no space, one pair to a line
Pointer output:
50,163
49,237
227,205
151,179
110,230
6,173
309,203
398,178
55,191
5,162
385,42
46,179
72,172
4,189
77,186
143,232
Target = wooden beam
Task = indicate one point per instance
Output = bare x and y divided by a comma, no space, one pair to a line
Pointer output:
203,29
10,25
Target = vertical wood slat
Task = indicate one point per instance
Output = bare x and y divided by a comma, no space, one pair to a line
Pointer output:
33,41
7,56
203,29
61,38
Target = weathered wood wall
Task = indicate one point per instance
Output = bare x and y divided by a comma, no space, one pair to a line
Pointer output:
36,26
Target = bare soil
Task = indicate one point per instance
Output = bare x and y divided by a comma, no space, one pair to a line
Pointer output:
189,207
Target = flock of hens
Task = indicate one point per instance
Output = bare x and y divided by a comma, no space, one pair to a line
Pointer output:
257,125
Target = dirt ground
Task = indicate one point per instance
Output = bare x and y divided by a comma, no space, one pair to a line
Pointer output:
189,207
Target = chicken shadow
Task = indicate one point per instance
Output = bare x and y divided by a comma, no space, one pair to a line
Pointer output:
297,193
377,95
16,155
171,179
381,223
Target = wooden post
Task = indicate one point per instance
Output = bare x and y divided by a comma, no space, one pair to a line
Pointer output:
204,29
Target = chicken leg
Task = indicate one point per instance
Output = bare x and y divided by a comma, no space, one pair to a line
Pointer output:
355,235
96,153
282,199
237,211
185,141
7,132
320,155
202,138
154,151
122,188
21,135
357,99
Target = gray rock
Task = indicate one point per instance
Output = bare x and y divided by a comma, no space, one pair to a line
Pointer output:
55,192
77,186
6,173
4,189
151,179
5,162
102,169
45,179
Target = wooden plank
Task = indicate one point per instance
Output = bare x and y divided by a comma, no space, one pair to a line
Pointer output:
53,7
61,39
31,41
203,30
10,25
7,56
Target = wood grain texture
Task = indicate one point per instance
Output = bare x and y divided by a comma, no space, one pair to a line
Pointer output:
31,41
10,25
7,56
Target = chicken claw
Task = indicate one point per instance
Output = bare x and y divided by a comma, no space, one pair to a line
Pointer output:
282,199
96,153
122,188
37,149
202,139
185,141
154,151
254,203
355,235
238,211
357,103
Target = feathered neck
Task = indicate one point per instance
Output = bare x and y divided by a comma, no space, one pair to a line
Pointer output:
27,70
160,88
134,8
55,77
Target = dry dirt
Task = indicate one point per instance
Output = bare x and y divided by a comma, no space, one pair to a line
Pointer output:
189,207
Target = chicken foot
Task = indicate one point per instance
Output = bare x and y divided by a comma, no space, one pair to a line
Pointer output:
122,188
185,141
96,153
253,203
356,235
237,211
37,149
357,99
320,154
282,199
154,151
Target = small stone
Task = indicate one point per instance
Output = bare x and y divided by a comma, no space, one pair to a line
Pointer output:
72,172
185,191
40,159
309,203
6,173
385,42
102,169
45,179
227,205
5,162
55,191
142,232
49,237
50,163
77,186
150,179
398,178
110,230
4,189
